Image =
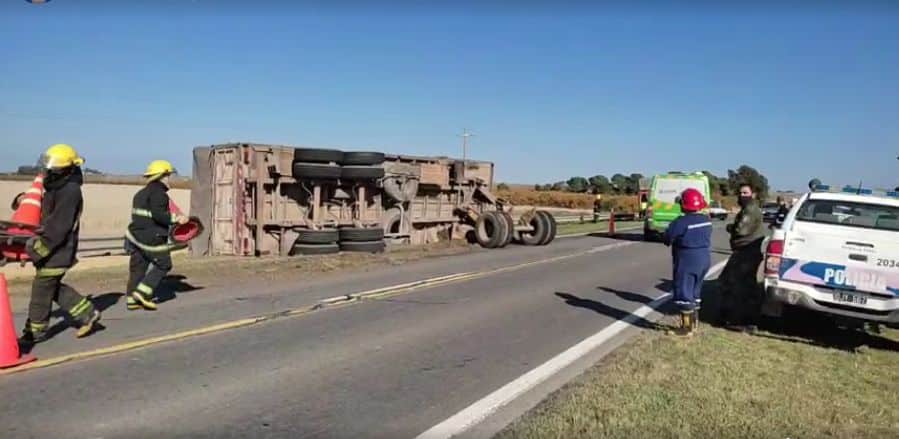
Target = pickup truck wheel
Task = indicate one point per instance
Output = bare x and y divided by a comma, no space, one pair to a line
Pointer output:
362,158
317,236
363,247
553,227
541,231
317,155
316,170
362,172
315,249
490,230
358,234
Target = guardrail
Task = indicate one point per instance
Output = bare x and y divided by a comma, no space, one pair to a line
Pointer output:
101,246
588,218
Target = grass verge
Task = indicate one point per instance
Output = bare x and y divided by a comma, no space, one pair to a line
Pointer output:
809,382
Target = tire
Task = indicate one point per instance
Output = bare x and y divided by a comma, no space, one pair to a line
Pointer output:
490,230
510,229
362,172
553,227
650,235
363,246
390,221
315,249
316,170
539,234
356,234
317,236
310,155
362,158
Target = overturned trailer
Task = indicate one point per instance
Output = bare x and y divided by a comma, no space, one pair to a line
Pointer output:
281,200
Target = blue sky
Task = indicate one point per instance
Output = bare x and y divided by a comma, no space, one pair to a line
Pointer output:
549,91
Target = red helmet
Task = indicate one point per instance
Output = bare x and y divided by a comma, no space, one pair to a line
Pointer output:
692,201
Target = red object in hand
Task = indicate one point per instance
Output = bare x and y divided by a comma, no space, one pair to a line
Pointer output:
182,233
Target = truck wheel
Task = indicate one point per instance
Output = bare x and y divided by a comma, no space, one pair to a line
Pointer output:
317,155
650,235
553,227
317,236
510,228
541,231
316,170
363,246
358,234
315,249
362,172
490,230
362,158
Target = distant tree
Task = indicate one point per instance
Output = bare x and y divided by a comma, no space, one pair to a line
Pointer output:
717,184
620,183
28,170
748,175
599,184
633,185
538,187
502,187
578,184
558,186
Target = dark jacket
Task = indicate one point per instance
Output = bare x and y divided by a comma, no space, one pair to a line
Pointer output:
150,215
692,231
747,228
56,243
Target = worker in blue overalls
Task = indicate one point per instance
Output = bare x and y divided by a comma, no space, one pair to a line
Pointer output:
690,239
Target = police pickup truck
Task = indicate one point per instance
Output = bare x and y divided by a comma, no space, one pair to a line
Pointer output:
837,252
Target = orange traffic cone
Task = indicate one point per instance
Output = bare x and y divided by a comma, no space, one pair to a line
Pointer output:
28,216
9,344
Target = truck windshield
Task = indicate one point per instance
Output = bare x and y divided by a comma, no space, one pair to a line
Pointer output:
848,213
668,189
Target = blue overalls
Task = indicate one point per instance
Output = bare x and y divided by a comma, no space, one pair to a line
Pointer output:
690,239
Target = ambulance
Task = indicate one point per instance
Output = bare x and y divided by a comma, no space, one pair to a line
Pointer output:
837,252
664,204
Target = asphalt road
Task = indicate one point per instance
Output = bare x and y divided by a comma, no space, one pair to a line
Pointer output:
386,368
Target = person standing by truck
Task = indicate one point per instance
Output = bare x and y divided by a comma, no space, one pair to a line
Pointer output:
147,237
53,248
690,239
740,293
597,207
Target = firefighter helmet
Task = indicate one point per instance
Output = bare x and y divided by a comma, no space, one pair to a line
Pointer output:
158,169
60,156
692,201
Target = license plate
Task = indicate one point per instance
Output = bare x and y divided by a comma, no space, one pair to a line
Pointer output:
845,297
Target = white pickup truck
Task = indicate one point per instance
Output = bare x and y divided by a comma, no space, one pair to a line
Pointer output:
837,252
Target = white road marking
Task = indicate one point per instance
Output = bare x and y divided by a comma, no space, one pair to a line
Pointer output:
480,410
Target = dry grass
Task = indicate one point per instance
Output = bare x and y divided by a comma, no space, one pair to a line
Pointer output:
723,384
107,207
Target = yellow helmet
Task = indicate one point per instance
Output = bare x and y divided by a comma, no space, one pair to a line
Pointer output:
158,169
61,156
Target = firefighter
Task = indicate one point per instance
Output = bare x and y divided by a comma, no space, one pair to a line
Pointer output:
147,237
782,210
644,206
741,298
53,248
690,239
597,207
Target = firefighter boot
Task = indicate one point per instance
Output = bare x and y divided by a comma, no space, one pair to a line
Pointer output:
34,333
89,324
132,304
686,327
146,301
695,320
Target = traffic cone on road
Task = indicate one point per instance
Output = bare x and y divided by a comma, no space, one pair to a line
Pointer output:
9,344
27,216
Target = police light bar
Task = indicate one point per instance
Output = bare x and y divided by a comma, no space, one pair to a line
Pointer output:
855,190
